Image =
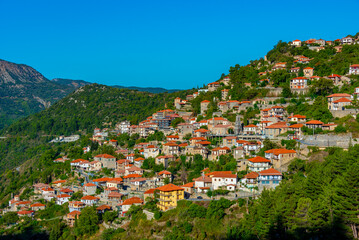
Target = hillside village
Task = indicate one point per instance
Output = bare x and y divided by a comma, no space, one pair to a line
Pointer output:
234,148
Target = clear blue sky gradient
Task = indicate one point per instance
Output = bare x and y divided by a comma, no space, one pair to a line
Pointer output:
172,44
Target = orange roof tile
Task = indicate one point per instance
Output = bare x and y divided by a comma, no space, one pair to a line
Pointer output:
150,191
251,175
188,185
132,200
339,95
37,205
342,100
259,159
169,187
270,171
89,197
105,156
280,151
314,122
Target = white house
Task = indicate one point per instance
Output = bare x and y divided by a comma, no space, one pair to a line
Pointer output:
89,200
125,206
221,179
250,129
62,198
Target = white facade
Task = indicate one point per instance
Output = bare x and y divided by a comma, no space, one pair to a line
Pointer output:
218,182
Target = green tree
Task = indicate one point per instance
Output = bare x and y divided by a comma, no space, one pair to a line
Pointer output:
87,224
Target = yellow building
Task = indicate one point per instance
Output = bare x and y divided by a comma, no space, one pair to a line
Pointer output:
169,195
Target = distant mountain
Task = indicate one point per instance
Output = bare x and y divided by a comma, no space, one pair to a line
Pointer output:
70,82
24,91
149,89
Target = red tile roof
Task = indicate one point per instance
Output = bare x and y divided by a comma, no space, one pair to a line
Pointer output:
222,174
63,196
188,185
259,159
37,205
342,100
103,207
105,156
89,197
280,151
270,171
132,200
164,172
251,175
169,187
339,95
150,191
314,122
299,125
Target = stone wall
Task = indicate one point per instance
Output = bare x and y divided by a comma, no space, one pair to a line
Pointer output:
343,113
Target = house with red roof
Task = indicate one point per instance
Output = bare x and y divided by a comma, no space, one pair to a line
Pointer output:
280,65
171,148
188,189
229,141
269,178
90,188
168,196
340,104
275,129
164,160
202,183
299,85
126,204
37,206
213,86
150,193
95,166
103,208
25,213
297,118
161,176
295,131
258,164
89,200
204,106
336,79
347,40
76,206
201,132
107,160
250,129
250,180
308,72
354,69
218,151
297,43
336,101
62,198
223,180
72,216
313,124
280,157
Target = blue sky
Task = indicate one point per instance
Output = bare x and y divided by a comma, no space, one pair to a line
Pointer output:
171,44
